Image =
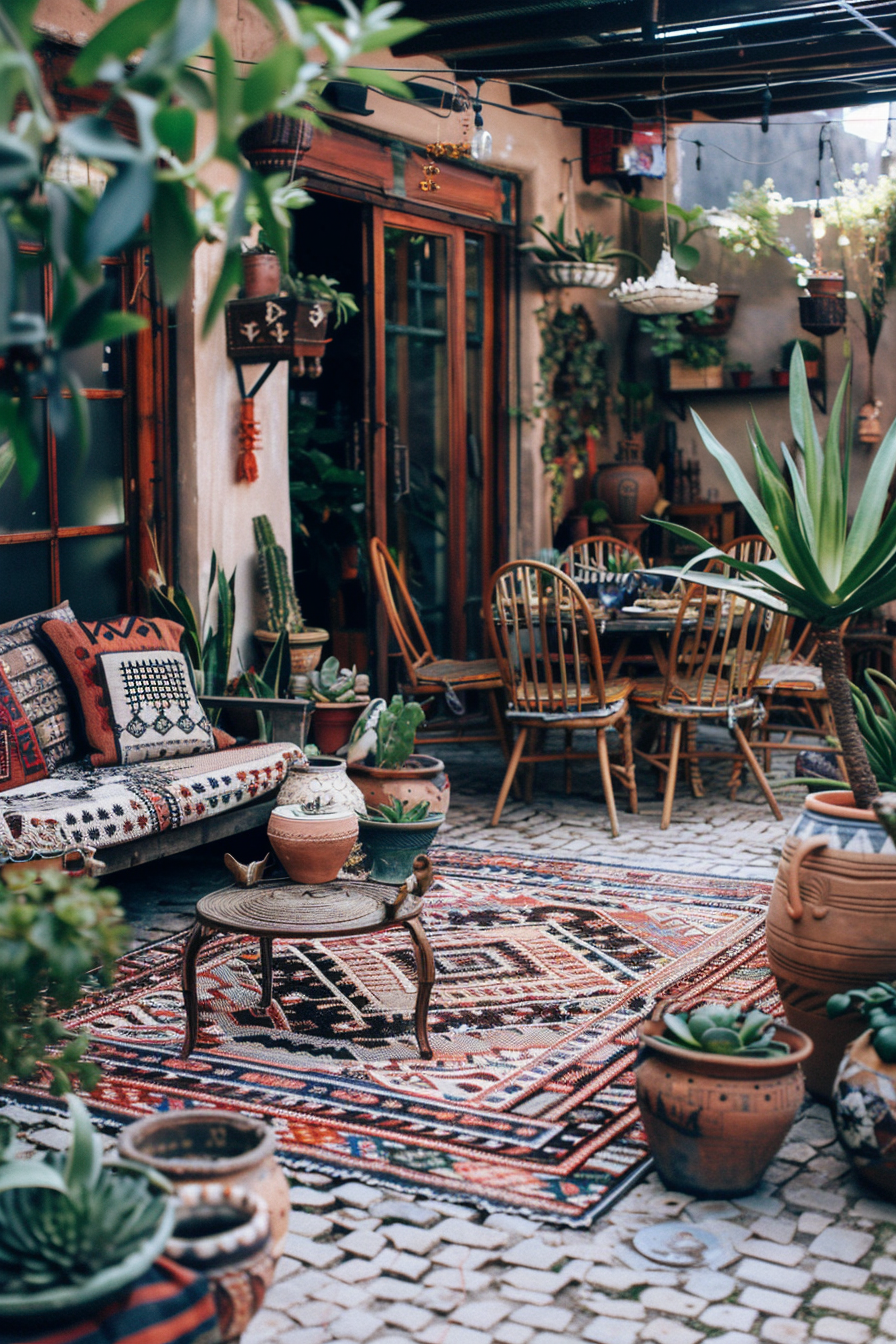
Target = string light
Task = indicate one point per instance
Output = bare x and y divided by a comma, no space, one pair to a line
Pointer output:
819,228
481,144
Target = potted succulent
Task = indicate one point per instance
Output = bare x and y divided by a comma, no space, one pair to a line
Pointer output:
393,834
718,1089
811,356
832,914
75,1233
282,610
382,762
588,259
741,374
863,1103
338,694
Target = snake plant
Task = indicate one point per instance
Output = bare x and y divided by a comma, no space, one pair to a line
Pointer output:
824,569
67,1218
719,1029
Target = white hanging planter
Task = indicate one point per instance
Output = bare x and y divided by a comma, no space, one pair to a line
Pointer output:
581,274
664,292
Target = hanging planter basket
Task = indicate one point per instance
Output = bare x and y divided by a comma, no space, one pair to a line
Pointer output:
822,314
277,143
576,274
664,292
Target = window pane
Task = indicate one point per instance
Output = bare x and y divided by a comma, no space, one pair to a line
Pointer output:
24,579
91,485
99,365
29,513
93,575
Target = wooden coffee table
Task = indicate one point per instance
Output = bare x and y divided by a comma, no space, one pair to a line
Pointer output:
285,909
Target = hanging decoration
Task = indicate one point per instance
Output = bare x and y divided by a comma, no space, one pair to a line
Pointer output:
249,441
823,308
481,144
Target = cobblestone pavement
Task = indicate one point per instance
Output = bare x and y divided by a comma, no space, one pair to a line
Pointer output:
809,1256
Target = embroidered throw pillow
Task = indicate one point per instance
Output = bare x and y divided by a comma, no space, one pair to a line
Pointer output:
37,685
21,759
82,645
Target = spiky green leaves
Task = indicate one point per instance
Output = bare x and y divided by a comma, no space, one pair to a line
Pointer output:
397,811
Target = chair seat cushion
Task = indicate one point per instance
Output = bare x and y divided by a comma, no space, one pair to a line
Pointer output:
527,702
795,677
112,806
459,673
686,698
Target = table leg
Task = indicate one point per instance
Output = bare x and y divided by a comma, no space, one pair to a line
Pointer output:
426,976
658,649
266,947
198,935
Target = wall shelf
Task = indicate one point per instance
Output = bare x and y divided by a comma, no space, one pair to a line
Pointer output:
678,399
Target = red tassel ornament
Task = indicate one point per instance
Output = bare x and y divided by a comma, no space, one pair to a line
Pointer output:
250,442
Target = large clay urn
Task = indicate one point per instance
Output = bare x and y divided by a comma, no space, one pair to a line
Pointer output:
831,922
629,490
714,1122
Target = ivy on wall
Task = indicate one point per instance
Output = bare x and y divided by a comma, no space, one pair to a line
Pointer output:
572,393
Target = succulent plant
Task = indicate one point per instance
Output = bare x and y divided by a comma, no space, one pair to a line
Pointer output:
398,811
878,1007
65,1218
721,1029
332,684
283,610
396,729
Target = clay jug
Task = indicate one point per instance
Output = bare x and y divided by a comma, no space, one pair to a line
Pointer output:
831,922
629,490
313,840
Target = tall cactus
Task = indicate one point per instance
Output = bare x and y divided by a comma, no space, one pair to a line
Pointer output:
283,610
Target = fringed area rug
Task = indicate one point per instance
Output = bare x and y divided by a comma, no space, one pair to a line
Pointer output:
544,968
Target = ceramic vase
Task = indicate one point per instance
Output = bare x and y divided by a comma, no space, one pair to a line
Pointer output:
197,1146
313,840
714,1122
224,1233
629,490
323,776
390,847
863,1106
422,779
831,923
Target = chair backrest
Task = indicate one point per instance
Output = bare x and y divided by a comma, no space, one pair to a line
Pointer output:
751,547
715,659
545,640
584,559
404,619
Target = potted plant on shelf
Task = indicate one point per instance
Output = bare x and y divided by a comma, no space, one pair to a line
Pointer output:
382,762
718,1088
261,269
74,1233
691,362
863,1103
741,374
811,356
338,694
282,610
832,915
317,298
588,259
780,377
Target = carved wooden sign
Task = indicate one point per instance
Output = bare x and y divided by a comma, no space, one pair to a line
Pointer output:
260,331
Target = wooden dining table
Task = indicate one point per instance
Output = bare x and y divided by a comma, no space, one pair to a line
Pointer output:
622,629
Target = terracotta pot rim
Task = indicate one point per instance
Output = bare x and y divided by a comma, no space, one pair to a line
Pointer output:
325,762
349,705
197,1167
288,812
312,634
839,803
730,1066
428,766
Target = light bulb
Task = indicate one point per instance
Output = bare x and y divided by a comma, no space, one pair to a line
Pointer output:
819,228
481,144
843,240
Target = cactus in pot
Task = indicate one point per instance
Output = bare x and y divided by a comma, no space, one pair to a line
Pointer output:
395,732
333,684
282,606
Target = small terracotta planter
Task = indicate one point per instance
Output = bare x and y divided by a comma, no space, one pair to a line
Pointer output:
261,274
863,1106
312,845
780,377
741,378
199,1145
333,723
714,1122
812,368
422,779
830,282
304,648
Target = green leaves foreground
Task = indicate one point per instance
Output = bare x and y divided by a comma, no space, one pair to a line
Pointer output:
717,1029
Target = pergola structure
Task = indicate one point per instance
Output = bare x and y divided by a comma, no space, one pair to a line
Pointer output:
608,62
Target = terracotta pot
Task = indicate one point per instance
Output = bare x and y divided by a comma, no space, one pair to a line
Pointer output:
208,1145
629,490
780,377
261,274
831,922
812,368
312,846
831,283
276,143
224,1232
333,723
304,649
864,1111
741,377
715,1122
422,779
322,776
724,310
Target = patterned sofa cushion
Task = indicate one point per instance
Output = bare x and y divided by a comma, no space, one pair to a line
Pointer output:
101,808
37,684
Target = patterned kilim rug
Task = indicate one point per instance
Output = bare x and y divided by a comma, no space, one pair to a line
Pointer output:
544,968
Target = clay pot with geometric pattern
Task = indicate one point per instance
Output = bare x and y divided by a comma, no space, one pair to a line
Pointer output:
863,1106
831,923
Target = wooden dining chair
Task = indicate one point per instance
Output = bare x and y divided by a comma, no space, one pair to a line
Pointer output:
426,674
751,547
713,667
585,560
548,654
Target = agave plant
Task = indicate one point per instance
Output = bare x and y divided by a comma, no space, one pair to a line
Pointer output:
589,246
878,727
67,1218
398,811
720,1029
878,1007
824,570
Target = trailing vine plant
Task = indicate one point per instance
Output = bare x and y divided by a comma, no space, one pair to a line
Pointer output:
573,390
